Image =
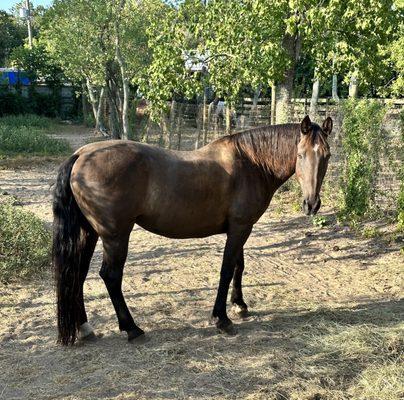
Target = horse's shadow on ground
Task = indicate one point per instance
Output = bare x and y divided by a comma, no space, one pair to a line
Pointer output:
278,337
315,243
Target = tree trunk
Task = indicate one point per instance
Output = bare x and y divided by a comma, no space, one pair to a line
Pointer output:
164,139
209,122
171,122
228,118
335,88
205,117
284,89
125,85
179,125
273,103
92,97
145,136
99,126
314,95
84,101
353,85
113,120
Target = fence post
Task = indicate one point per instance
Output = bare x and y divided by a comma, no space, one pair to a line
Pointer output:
273,103
198,126
179,124
228,118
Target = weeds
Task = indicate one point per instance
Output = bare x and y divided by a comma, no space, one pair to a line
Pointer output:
370,232
362,143
320,221
27,135
24,243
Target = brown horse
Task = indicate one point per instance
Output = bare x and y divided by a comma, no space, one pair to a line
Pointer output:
224,187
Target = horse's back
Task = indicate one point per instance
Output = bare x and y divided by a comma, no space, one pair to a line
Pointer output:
176,194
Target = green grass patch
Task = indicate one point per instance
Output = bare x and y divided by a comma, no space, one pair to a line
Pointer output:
25,243
27,135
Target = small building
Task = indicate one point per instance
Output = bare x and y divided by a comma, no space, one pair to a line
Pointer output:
13,77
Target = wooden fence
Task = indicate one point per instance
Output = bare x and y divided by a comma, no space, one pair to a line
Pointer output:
189,126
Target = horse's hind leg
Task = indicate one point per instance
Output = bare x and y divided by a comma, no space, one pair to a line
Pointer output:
115,253
239,306
88,242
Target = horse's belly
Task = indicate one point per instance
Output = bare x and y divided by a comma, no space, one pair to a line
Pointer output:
182,228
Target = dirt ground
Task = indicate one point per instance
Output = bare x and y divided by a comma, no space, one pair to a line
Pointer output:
305,286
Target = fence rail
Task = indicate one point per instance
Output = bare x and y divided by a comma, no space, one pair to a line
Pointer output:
189,126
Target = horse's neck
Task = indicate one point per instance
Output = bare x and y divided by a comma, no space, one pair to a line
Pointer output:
271,150
285,169
282,167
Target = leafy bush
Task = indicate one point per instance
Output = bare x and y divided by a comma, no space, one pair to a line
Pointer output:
362,145
14,103
320,221
25,243
400,200
28,120
27,135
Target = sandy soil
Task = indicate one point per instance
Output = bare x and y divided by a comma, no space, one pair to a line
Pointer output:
297,277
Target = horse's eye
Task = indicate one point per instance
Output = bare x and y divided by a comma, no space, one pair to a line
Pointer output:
300,156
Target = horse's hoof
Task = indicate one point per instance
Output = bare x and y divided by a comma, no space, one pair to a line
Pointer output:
136,336
240,311
91,337
139,340
226,326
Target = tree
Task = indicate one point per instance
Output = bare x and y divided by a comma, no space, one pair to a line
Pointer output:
395,54
11,35
238,43
37,62
103,44
345,38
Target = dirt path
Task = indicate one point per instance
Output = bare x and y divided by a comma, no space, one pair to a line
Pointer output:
298,280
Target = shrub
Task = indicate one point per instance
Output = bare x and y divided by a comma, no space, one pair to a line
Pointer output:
28,120
400,199
46,104
27,135
362,145
25,243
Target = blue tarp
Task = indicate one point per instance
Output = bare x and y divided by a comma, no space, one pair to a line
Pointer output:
14,78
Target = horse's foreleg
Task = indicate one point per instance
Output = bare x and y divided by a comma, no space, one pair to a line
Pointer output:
239,306
115,253
89,240
236,237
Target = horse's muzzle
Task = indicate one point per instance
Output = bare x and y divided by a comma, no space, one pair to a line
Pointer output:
311,208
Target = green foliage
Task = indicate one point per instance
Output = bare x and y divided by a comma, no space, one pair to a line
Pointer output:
370,232
239,41
400,199
348,37
362,146
14,103
37,62
26,134
25,244
320,221
11,36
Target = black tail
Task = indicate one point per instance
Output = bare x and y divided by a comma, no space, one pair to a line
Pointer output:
67,222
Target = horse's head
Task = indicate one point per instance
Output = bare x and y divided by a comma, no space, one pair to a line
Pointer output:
313,153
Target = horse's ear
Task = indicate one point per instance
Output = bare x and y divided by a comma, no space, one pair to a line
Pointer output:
327,126
305,125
